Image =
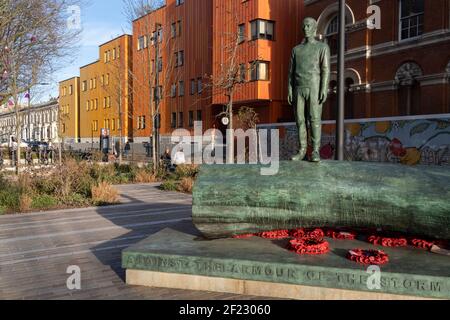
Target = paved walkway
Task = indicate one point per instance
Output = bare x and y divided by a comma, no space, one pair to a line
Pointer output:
36,249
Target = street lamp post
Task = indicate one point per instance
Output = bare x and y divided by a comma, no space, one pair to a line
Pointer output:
340,129
156,94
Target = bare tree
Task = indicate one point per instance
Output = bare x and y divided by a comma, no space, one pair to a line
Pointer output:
161,74
231,74
34,36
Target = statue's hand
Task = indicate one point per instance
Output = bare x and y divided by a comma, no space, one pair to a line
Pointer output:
323,97
290,98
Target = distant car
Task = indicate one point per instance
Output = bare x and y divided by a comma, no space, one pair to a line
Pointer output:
36,145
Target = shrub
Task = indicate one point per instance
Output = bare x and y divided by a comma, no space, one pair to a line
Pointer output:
186,171
75,200
186,185
44,201
169,185
144,176
9,198
25,203
104,193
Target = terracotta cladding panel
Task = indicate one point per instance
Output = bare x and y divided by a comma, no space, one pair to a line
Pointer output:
195,41
287,16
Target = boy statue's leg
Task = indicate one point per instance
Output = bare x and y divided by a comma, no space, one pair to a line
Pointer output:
301,124
316,126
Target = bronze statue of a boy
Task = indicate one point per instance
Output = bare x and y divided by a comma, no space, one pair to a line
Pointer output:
309,75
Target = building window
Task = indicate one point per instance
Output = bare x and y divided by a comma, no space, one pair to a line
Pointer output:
160,65
191,118
331,35
411,18
260,71
180,119
160,35
193,86
142,42
70,89
263,29
114,54
173,120
173,30
199,115
173,91
243,72
241,33
181,88
179,59
179,2
200,85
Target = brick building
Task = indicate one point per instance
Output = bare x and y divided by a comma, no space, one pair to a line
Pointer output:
69,101
400,69
106,93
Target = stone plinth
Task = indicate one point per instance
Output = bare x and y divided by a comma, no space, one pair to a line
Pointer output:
236,199
262,267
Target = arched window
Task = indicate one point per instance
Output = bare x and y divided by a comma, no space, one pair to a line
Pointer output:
332,35
408,88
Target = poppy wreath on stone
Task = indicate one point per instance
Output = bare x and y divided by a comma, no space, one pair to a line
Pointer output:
341,235
297,233
309,246
388,242
368,257
277,234
421,244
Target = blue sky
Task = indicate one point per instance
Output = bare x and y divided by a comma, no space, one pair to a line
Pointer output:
101,20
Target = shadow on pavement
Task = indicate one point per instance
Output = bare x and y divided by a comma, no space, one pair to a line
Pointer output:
145,219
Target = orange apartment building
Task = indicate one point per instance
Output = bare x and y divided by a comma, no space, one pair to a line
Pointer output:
267,30
192,35
401,69
106,93
182,32
69,104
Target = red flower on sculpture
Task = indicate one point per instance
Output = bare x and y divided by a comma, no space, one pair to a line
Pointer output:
327,152
277,234
396,147
388,242
309,246
368,257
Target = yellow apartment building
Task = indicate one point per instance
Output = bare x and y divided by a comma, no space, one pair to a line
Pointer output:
106,93
69,104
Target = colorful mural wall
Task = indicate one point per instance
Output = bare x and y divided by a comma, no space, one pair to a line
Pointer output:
408,140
